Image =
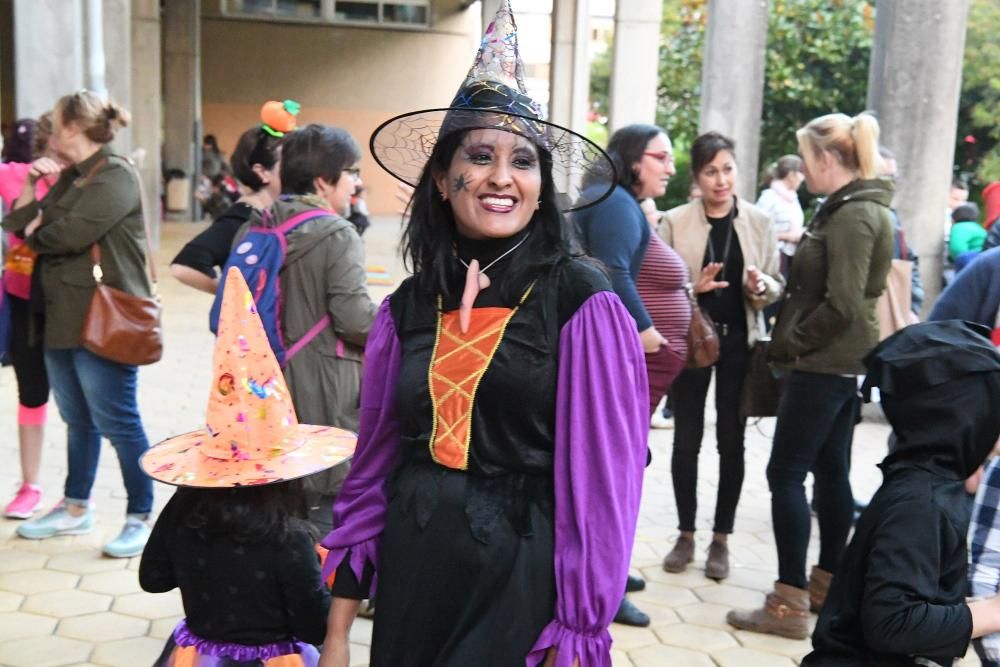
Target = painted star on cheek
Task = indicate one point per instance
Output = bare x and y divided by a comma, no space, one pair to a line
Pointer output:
461,184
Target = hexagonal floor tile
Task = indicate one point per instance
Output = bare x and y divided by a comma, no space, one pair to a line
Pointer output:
149,606
103,627
63,604
18,624
695,637
12,560
793,648
746,657
627,637
10,601
85,562
705,613
659,655
734,597
128,652
664,595
43,652
115,582
162,628
28,582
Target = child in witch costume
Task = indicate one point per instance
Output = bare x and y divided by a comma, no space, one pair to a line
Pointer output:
504,419
233,537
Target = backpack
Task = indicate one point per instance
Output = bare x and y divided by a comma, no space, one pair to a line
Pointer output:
259,256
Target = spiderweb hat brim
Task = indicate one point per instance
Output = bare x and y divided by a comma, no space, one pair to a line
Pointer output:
582,173
494,97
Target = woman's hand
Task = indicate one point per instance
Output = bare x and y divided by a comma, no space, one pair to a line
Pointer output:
43,166
336,646
707,279
755,284
33,225
652,340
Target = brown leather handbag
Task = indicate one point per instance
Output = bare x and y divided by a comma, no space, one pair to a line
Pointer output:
703,340
119,326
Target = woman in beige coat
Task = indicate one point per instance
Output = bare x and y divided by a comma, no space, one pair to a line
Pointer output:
731,252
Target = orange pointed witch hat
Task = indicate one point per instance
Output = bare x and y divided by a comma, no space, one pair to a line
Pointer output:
252,435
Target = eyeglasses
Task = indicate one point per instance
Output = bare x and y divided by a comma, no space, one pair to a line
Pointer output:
664,157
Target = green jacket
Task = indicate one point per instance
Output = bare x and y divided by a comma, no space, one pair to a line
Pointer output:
966,236
827,322
76,214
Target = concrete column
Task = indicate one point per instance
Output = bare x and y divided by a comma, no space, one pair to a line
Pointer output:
635,63
145,101
116,52
182,92
913,85
732,81
569,80
49,63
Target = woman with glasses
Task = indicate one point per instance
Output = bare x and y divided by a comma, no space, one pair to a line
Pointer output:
324,288
731,252
647,275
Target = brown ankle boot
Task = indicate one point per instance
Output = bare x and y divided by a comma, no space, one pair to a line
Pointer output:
819,586
717,563
785,613
679,557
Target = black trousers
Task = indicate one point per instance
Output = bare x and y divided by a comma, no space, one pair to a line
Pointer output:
688,394
814,431
27,353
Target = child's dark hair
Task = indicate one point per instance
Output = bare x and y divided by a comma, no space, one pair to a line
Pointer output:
245,514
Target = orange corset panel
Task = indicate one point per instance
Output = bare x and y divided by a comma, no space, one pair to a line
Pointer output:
457,365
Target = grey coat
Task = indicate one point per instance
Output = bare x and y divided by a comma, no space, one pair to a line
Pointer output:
324,272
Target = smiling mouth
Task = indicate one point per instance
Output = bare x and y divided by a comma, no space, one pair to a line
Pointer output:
497,203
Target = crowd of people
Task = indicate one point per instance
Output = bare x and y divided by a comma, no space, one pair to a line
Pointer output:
502,395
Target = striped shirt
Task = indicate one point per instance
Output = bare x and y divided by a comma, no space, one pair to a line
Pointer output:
660,284
984,549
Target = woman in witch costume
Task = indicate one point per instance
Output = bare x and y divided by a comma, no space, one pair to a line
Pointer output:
494,494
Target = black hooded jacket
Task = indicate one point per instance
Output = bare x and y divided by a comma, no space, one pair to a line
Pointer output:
899,591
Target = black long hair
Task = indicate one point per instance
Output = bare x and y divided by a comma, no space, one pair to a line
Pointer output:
256,146
429,237
245,514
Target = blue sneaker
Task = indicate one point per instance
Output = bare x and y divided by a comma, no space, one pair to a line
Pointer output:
57,522
130,542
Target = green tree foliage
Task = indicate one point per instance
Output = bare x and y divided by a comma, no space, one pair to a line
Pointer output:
979,108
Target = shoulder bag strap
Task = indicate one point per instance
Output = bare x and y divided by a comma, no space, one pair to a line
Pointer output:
95,250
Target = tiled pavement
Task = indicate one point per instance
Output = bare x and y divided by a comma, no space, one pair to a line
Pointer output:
61,603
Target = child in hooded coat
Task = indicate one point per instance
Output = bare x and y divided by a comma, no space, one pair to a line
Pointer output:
898,597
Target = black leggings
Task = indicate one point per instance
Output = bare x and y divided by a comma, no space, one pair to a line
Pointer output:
814,430
688,394
28,354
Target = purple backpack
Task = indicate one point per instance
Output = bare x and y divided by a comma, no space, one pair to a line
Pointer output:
259,257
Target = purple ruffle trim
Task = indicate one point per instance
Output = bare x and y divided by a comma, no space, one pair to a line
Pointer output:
240,652
592,650
360,554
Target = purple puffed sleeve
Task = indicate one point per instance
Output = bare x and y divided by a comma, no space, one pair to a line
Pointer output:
602,424
359,511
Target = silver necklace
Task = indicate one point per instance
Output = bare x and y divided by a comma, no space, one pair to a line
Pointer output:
514,247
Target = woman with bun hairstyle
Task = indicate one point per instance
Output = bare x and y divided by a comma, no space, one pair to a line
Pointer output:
95,202
780,200
826,327
255,163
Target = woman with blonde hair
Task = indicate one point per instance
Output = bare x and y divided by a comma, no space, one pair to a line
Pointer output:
826,327
94,204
